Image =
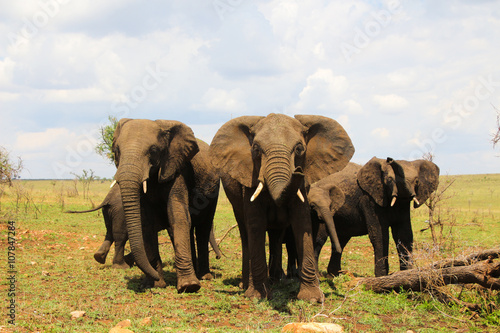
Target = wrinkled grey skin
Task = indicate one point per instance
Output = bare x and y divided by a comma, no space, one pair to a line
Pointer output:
116,230
160,153
285,154
369,192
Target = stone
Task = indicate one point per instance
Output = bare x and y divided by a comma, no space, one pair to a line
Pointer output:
312,327
77,314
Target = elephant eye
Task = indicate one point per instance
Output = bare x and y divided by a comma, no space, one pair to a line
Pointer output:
154,152
116,153
256,150
299,149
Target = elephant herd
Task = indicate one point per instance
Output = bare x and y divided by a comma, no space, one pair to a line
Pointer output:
289,177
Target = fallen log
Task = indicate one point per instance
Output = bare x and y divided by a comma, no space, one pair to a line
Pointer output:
485,273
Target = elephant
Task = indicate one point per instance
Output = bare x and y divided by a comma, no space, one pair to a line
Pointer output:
368,200
265,164
116,232
163,186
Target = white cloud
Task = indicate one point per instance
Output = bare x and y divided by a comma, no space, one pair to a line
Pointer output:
222,100
380,132
390,102
322,90
265,56
50,138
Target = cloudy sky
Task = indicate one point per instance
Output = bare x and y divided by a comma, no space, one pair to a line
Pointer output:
402,77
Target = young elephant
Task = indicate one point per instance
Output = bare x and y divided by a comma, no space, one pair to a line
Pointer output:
116,230
376,196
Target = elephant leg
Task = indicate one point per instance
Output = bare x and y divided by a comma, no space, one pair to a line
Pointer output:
275,255
180,221
320,236
102,252
255,218
302,229
334,265
379,237
402,234
292,269
203,262
153,254
119,259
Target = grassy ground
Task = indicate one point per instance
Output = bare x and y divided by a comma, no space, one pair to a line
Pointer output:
56,273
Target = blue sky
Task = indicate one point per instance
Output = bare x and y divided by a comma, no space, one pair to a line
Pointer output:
403,77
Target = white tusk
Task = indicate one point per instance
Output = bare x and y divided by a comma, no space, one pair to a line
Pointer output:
393,201
257,192
416,201
113,183
145,186
299,194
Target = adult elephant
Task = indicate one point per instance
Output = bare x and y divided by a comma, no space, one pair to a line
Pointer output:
157,180
206,189
377,197
266,163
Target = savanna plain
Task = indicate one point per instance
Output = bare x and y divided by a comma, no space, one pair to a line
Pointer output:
56,273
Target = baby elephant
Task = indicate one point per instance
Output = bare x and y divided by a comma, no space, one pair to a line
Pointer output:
116,232
368,200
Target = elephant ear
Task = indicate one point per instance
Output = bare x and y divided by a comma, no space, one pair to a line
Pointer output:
116,134
329,148
428,179
231,150
337,198
182,147
371,180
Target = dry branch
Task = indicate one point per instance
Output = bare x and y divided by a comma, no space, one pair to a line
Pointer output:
486,273
470,259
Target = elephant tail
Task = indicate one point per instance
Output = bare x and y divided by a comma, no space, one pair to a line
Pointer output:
86,211
214,245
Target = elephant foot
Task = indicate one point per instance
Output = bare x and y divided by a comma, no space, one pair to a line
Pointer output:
260,293
149,282
188,284
208,276
100,257
129,260
311,294
120,265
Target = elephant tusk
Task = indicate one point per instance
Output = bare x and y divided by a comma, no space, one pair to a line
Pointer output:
299,194
113,183
257,192
416,201
393,201
145,186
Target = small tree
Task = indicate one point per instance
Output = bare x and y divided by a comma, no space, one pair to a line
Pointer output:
86,178
103,148
432,203
496,136
9,170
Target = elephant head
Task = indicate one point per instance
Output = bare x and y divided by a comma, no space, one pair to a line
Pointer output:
388,181
325,199
279,152
147,150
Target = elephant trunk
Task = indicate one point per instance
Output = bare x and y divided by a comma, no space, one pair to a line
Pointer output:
327,217
277,174
130,179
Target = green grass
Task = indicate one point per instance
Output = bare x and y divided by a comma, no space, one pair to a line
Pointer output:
57,274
